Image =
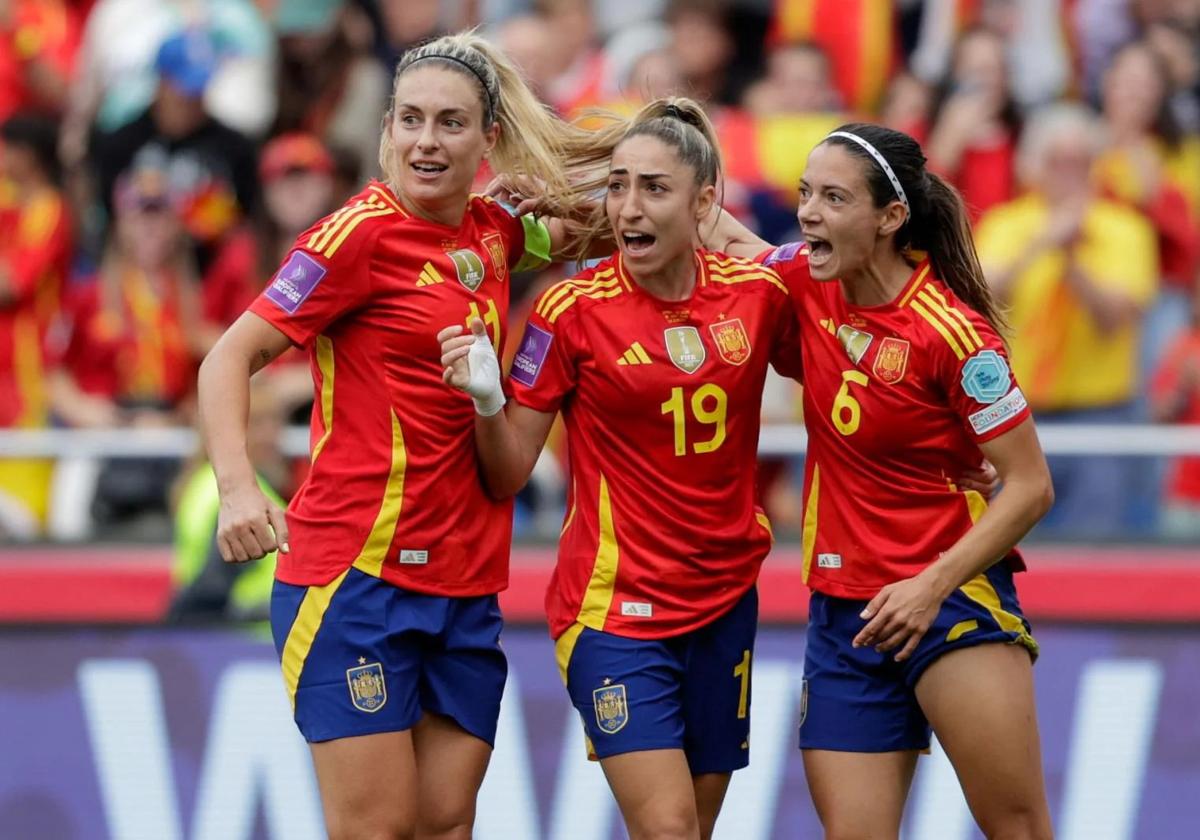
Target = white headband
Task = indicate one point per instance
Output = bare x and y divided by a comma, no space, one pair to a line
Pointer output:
883,164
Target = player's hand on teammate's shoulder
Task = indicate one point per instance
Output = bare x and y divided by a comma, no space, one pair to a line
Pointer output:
984,480
249,525
900,615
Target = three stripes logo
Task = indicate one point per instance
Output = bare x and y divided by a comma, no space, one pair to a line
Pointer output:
429,276
635,355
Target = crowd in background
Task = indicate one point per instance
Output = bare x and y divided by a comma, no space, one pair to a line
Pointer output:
158,158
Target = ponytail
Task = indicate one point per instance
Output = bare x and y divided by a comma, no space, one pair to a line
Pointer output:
677,122
533,140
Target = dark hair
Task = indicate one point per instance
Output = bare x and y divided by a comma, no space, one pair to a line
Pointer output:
37,134
937,220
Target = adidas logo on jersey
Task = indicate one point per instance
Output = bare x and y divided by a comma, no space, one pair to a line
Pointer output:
635,355
429,275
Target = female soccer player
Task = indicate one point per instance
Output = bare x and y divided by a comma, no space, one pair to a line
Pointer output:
914,619
384,611
657,359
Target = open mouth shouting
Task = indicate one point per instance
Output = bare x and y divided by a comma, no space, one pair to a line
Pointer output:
637,243
428,169
819,250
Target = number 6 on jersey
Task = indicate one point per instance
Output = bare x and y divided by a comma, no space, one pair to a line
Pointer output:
847,413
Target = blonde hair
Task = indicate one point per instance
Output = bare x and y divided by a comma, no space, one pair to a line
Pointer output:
678,122
533,140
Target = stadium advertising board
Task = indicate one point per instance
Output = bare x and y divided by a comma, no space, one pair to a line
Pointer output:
186,735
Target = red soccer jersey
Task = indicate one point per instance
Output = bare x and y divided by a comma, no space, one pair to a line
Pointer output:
897,400
661,403
394,489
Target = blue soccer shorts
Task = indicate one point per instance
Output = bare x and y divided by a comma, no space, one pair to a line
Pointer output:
857,700
689,692
361,656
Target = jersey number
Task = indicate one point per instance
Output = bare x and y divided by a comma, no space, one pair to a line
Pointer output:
742,672
847,413
709,417
490,319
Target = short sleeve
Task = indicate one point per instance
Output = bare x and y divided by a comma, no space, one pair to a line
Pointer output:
315,287
785,350
544,371
980,386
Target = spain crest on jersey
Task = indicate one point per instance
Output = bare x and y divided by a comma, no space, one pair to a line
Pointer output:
891,361
685,348
469,267
368,692
495,248
732,340
854,342
612,708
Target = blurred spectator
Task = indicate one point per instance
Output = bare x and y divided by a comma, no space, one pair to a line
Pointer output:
1153,167
798,81
703,48
1177,48
1078,272
859,36
34,256
38,41
206,587
575,64
330,84
1098,28
1175,396
972,136
907,105
116,79
211,167
525,39
130,353
1031,32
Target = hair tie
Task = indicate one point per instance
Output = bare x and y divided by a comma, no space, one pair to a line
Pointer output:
491,104
883,164
672,111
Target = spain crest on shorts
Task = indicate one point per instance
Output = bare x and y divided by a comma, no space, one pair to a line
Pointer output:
891,360
732,340
612,708
685,348
469,267
368,692
495,248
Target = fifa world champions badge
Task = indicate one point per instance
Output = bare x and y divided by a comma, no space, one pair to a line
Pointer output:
469,268
612,708
891,361
368,692
732,340
685,348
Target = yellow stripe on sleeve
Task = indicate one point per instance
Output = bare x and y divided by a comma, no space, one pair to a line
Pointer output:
303,633
350,225
940,327
317,240
940,311
561,290
324,347
764,521
597,598
374,551
962,319
594,294
809,539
